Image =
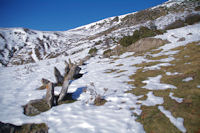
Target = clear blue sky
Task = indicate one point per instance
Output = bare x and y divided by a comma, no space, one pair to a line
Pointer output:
60,15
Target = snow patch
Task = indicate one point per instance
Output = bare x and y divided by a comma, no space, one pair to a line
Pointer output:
172,74
178,122
152,100
153,83
187,79
179,100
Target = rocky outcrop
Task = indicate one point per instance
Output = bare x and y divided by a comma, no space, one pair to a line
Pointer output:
25,128
44,83
146,44
73,74
50,94
35,107
141,45
58,76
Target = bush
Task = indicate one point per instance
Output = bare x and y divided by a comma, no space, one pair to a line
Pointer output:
107,53
197,8
139,34
99,42
192,19
92,51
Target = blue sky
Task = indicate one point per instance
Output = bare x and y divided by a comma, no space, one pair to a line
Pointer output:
60,15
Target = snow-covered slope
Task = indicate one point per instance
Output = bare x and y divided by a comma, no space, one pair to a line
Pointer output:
22,46
32,55
119,113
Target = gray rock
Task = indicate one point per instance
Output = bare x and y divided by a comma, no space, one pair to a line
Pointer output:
50,94
67,69
30,110
35,107
45,81
66,82
25,128
58,76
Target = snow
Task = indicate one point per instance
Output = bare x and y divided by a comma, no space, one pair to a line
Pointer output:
152,100
172,74
187,79
81,116
180,32
178,122
33,55
153,83
157,67
179,100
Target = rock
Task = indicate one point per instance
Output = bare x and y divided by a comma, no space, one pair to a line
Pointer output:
35,107
50,94
67,69
6,128
58,76
70,64
44,83
146,44
66,82
76,74
181,39
25,128
82,61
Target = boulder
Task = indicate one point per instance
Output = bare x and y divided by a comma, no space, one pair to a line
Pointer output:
67,69
146,44
50,94
58,76
25,128
44,83
74,70
35,107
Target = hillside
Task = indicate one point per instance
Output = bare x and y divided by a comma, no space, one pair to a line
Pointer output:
22,45
151,85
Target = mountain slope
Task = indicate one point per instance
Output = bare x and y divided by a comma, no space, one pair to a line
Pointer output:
21,45
142,90
147,91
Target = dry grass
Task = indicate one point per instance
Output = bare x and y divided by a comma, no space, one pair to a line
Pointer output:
152,119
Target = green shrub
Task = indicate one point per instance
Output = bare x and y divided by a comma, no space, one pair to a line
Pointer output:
138,34
92,51
99,42
107,51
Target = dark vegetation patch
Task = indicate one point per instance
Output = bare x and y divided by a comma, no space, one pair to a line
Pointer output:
93,51
99,101
143,32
